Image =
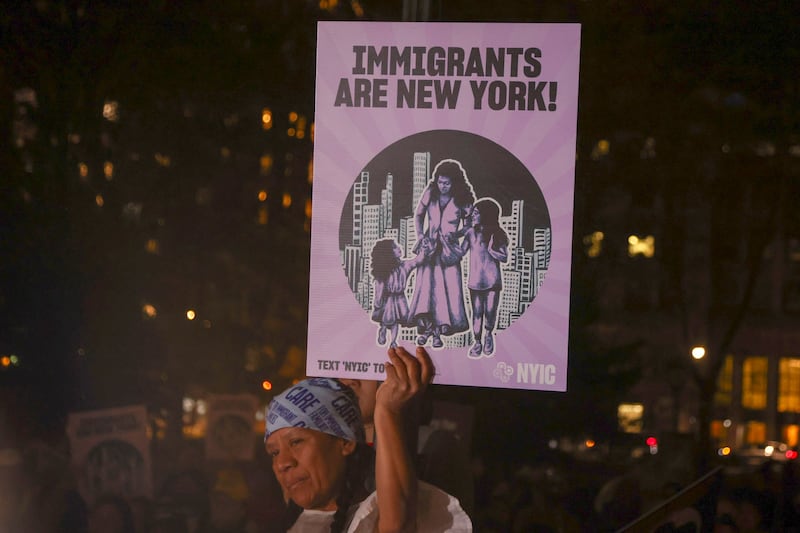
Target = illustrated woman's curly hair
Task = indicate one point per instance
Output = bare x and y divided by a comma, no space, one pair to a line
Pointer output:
460,187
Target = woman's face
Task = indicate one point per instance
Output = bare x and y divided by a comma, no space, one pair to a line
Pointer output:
444,183
309,465
398,252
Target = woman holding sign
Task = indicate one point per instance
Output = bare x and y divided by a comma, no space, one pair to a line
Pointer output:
315,438
437,307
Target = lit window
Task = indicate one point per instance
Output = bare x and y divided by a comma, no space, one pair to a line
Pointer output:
163,160
310,171
263,216
287,199
358,11
594,243
308,207
108,170
190,314
601,149
754,383
725,383
151,246
111,110
755,432
645,246
791,434
262,196
266,119
301,126
293,117
98,199
630,417
789,385
265,163
83,169
717,430
291,132
149,311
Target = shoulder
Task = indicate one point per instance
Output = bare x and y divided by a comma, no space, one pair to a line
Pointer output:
426,196
311,521
436,511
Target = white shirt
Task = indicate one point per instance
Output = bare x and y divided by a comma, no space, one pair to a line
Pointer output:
437,512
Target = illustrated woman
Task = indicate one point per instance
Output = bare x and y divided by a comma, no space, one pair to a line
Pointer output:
315,438
487,245
390,272
437,306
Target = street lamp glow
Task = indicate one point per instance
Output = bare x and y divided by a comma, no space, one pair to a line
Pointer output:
698,352
190,314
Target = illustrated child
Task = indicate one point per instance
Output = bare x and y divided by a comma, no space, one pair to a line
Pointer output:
390,271
487,244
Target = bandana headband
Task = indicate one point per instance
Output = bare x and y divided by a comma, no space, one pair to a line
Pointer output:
322,404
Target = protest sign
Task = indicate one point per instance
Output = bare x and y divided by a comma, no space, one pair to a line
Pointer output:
444,164
231,421
111,452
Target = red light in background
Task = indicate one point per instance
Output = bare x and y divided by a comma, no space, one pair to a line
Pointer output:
791,454
651,441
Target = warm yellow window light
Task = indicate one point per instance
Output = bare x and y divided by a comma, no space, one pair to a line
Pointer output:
594,243
111,110
601,149
265,164
266,118
645,246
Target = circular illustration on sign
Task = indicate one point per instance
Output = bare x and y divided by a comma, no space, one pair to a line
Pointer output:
115,467
445,241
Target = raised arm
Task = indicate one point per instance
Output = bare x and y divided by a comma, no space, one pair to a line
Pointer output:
395,479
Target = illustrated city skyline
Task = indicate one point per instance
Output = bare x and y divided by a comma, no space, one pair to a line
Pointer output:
522,274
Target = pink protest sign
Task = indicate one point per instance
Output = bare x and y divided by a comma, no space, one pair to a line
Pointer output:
444,169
